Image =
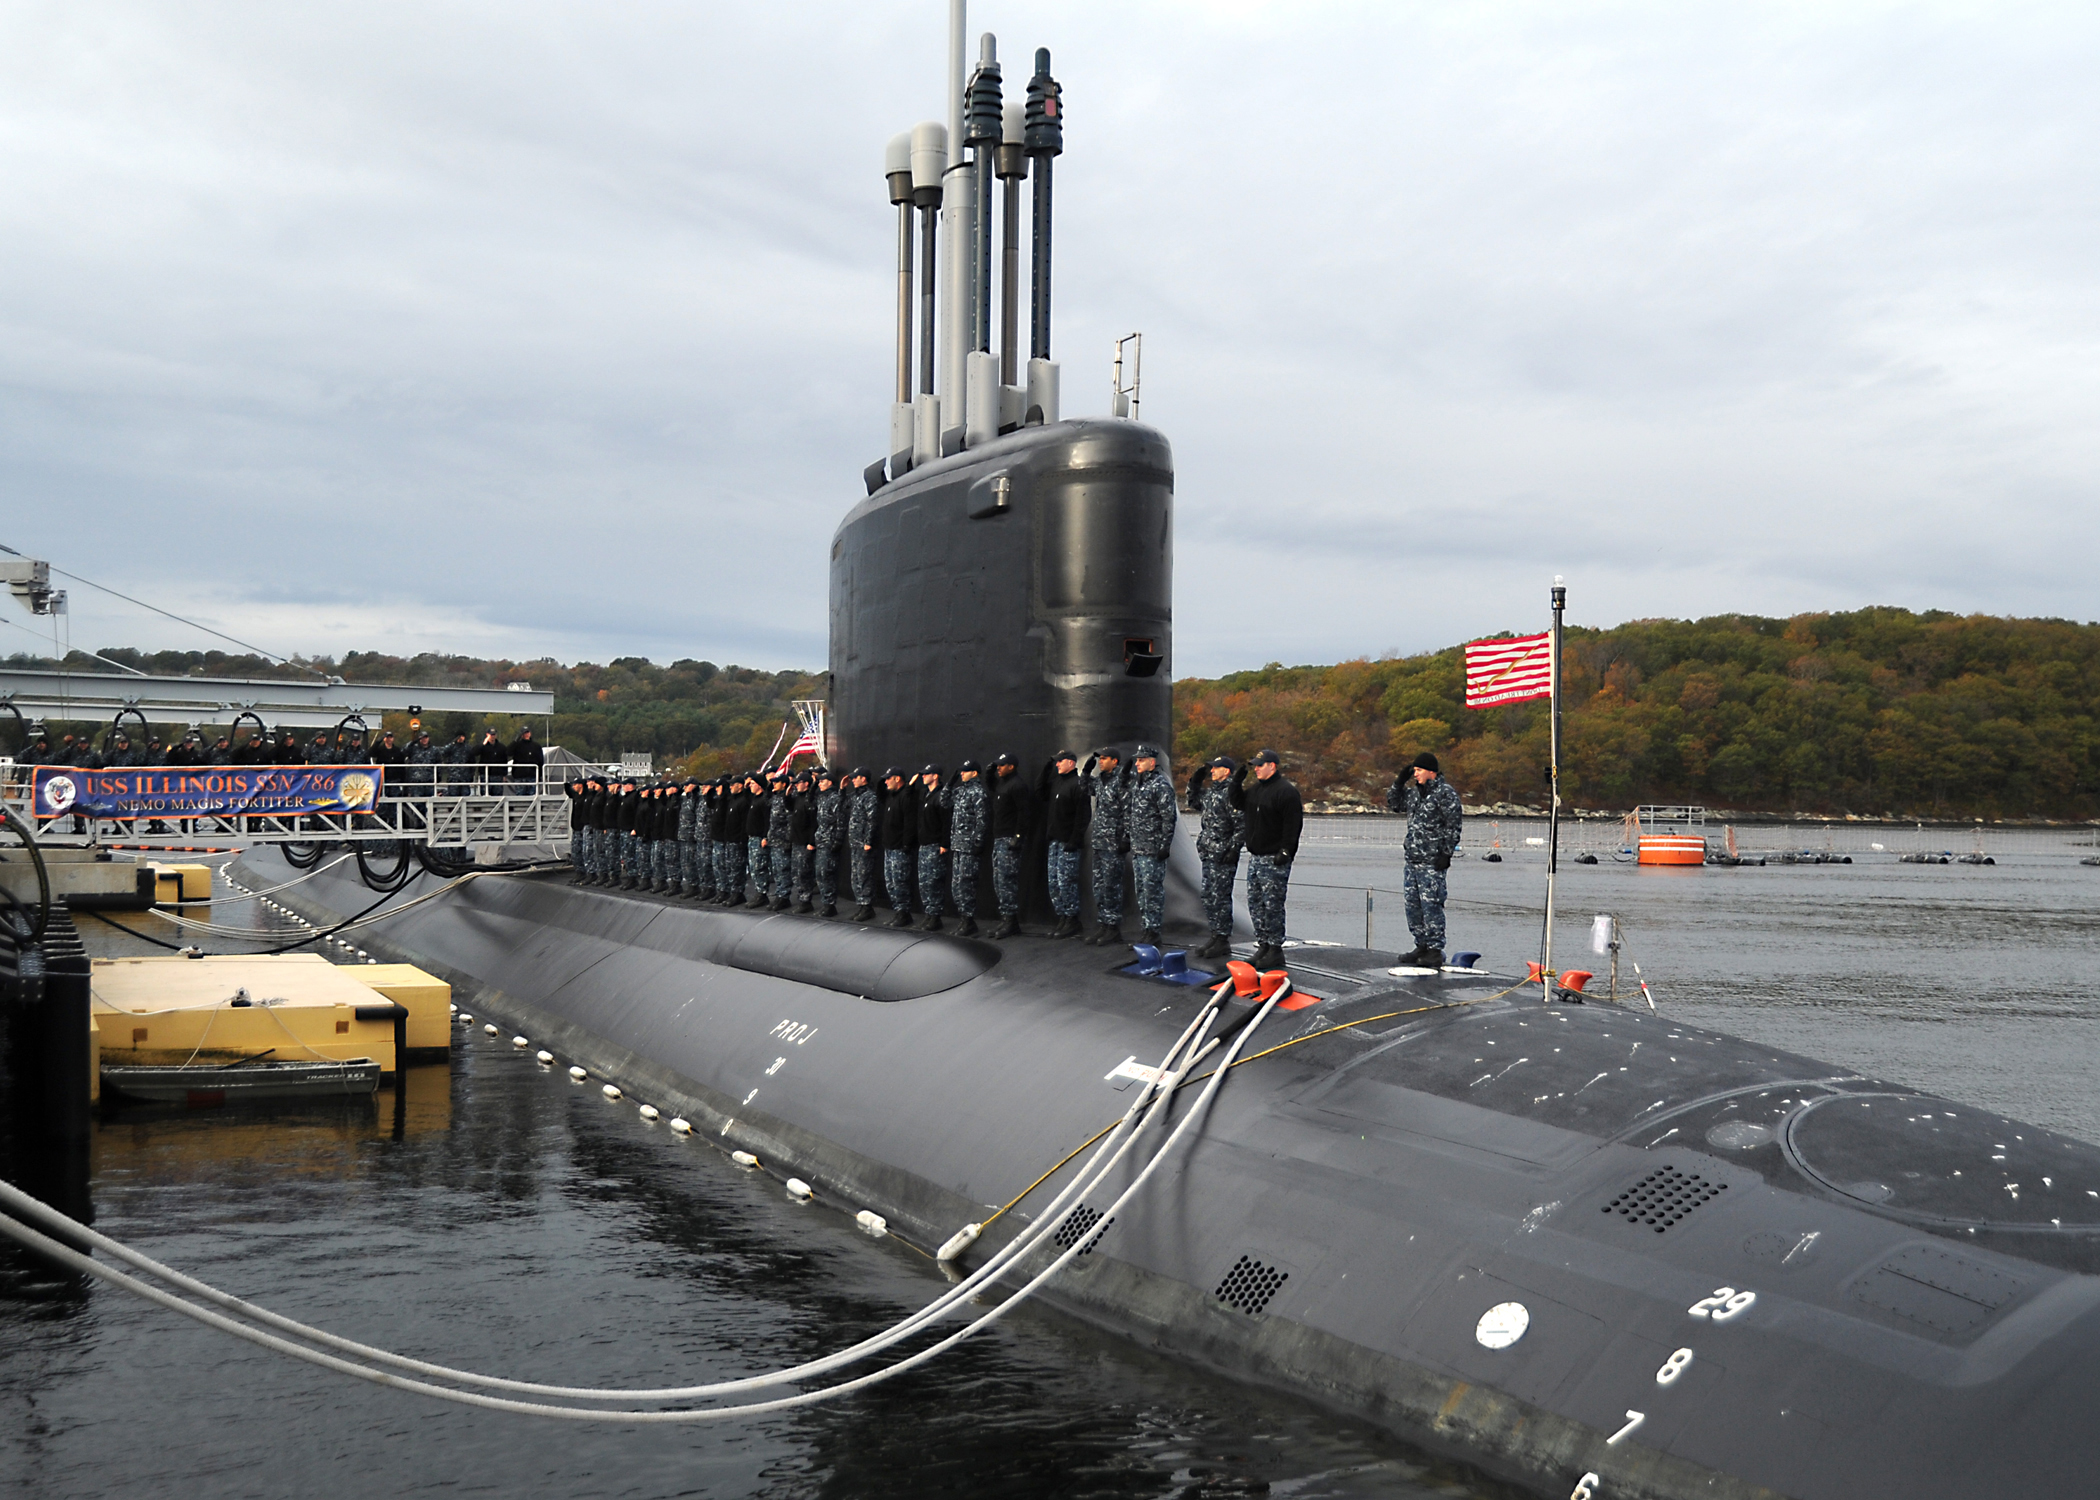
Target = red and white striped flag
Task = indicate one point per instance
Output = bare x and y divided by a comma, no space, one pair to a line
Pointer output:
1508,671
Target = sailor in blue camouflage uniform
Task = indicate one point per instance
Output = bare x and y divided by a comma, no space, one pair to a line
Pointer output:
1435,820
1108,837
684,879
1149,817
1218,841
780,842
863,856
757,818
831,836
1010,809
702,841
969,809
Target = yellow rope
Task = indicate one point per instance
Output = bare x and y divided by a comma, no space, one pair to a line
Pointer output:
1241,1063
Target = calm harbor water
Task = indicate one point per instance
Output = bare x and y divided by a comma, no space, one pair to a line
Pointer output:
507,1219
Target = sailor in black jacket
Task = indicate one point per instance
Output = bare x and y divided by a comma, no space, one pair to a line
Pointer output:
726,826
1011,812
897,835
931,829
1070,805
758,868
1275,818
802,841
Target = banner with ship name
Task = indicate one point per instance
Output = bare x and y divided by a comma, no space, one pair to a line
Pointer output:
1508,671
182,791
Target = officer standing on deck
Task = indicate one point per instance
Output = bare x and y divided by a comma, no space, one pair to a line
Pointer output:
863,826
968,820
830,836
1275,818
1070,810
1148,810
1109,836
1010,811
1435,819
1218,843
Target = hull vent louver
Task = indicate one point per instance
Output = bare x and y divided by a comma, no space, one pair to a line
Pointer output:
1664,1198
1249,1285
1081,1227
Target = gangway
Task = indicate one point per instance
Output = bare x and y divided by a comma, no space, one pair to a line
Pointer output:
491,810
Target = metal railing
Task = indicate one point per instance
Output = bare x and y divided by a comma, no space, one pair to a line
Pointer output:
483,806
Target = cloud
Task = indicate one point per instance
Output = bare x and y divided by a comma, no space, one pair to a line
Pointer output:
545,328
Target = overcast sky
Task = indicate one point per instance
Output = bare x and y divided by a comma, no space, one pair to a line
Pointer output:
526,328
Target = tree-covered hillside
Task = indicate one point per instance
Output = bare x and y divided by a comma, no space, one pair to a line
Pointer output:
1875,712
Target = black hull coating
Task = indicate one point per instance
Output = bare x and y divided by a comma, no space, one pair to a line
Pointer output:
1925,1321
961,627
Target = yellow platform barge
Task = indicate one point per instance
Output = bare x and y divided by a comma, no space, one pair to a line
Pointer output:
292,1007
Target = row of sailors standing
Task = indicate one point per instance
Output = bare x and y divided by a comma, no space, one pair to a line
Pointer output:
453,769
782,840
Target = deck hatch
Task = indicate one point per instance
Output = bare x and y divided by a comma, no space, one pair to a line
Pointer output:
1948,1293
1249,1285
1664,1198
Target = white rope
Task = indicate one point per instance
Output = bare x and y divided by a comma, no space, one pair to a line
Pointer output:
990,1272
248,895
993,1270
263,935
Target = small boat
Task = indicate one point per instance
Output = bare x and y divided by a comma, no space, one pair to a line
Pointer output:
208,1086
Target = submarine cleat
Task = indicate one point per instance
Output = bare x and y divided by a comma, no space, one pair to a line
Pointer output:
1549,1240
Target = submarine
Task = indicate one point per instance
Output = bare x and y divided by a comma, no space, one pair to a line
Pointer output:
1583,1248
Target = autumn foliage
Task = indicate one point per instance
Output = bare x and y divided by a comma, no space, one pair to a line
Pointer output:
1877,712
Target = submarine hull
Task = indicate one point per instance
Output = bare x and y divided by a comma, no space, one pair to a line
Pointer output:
1803,1281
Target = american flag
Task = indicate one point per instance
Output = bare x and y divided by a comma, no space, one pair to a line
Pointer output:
1508,671
807,742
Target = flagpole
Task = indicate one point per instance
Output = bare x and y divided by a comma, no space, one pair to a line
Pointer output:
1560,604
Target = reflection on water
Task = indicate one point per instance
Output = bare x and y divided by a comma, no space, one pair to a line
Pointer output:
504,1218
